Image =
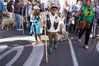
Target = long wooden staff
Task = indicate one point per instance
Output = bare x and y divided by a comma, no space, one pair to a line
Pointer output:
23,25
97,40
46,46
46,42
93,32
94,48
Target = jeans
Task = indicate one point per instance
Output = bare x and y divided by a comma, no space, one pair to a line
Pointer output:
75,23
0,22
95,26
28,23
67,24
98,22
0,17
18,18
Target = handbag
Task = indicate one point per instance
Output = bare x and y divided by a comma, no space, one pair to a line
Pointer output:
83,25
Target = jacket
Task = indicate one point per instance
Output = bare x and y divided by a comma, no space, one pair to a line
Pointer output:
18,8
9,7
25,10
1,6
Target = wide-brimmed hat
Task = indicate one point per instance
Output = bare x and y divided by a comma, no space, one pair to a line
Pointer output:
12,0
53,6
36,7
87,0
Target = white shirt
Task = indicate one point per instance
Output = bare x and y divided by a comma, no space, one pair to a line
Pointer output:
13,11
76,8
64,13
52,19
30,10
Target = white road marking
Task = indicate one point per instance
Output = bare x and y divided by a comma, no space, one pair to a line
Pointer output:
36,56
29,38
3,47
75,63
19,52
97,46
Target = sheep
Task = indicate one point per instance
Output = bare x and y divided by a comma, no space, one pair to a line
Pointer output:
7,21
64,33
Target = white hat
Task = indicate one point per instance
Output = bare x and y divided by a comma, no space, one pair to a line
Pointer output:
53,5
12,0
36,7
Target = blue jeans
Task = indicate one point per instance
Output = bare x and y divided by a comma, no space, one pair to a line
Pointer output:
0,22
67,24
18,18
96,24
28,23
75,23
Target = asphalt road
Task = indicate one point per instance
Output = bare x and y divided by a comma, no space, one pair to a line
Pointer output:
18,50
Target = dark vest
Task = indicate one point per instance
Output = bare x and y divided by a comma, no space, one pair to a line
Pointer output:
49,23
